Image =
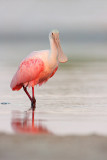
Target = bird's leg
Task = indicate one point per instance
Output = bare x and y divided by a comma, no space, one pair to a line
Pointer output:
33,101
25,89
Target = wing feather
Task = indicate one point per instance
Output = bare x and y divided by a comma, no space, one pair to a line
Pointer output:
28,71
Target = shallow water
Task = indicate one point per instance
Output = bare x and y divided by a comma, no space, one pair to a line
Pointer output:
74,101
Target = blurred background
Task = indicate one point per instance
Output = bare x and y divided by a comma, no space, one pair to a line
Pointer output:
25,26
72,103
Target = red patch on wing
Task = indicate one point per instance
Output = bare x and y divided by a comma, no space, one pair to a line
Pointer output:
54,72
44,81
28,71
17,87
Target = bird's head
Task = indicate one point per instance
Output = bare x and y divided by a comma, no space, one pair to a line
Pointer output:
54,35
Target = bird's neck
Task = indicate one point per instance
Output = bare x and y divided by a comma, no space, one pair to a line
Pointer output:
53,51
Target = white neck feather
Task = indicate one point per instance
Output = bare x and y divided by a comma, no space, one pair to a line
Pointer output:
53,52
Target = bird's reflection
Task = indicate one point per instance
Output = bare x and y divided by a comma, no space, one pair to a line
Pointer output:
22,123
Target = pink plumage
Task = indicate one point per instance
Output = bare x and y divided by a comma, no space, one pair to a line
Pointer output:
32,71
39,66
28,73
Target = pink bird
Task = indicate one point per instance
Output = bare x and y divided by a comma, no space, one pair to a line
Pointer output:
38,67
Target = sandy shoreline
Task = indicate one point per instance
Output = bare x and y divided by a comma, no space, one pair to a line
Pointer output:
38,147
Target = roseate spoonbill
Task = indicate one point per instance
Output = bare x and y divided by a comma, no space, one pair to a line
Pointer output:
38,67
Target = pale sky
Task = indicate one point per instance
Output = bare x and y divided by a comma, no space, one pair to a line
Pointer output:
39,15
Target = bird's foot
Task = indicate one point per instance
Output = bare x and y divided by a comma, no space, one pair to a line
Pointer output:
33,103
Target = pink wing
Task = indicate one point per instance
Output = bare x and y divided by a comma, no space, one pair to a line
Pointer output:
45,80
54,71
28,70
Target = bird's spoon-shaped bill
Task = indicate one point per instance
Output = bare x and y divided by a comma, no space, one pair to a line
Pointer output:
61,56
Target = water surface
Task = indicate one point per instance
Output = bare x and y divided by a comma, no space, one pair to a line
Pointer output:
74,101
